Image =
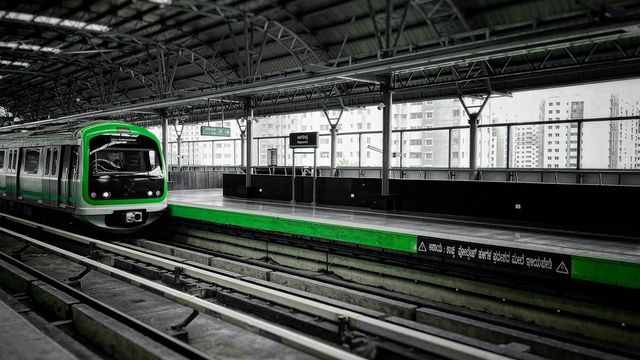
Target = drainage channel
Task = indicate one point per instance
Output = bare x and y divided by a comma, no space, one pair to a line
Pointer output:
250,258
396,338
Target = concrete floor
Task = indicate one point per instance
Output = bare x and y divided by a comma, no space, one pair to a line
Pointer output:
419,225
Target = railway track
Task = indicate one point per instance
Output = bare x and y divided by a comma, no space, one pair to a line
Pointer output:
578,317
306,321
352,328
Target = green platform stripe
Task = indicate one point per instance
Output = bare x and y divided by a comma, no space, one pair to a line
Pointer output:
361,236
606,271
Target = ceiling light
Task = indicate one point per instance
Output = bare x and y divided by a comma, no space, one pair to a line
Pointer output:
54,21
14,63
21,46
161,2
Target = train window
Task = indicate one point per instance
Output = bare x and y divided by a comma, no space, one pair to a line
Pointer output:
9,166
115,155
47,162
15,160
31,161
2,159
73,163
54,162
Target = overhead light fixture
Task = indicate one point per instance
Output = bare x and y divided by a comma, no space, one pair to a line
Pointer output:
53,21
22,46
14,63
161,2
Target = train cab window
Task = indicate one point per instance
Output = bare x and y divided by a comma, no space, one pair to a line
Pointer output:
47,162
54,162
124,156
31,161
2,160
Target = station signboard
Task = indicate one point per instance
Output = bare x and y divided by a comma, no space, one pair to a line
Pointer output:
501,258
215,131
303,140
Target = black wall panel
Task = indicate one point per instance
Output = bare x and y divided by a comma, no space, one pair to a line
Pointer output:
583,207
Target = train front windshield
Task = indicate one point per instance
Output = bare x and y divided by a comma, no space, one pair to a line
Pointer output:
124,155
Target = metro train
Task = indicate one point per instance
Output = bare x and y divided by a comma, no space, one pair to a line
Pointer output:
109,175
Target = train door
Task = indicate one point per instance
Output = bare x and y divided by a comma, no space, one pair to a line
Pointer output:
73,184
30,175
3,172
54,181
46,193
11,174
50,183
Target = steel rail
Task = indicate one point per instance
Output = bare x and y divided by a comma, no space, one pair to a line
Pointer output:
165,339
247,322
426,342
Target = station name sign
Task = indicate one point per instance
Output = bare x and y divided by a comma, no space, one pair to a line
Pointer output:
215,131
303,140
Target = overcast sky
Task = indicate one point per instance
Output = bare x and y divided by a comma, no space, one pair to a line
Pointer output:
526,104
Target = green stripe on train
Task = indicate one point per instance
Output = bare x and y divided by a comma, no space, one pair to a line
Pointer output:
368,237
606,271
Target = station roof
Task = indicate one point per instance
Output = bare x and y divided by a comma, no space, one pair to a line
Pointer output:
61,57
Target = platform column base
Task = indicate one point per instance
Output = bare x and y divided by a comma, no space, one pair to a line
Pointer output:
385,202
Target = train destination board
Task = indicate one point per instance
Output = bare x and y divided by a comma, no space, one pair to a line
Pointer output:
303,140
500,257
215,131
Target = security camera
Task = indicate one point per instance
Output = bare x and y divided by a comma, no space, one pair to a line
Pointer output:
380,106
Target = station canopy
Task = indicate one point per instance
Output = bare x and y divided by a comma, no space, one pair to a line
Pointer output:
140,59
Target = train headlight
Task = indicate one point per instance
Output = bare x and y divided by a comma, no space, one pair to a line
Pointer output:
106,194
94,195
149,193
158,192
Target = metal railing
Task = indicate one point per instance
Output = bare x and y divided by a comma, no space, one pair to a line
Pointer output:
509,151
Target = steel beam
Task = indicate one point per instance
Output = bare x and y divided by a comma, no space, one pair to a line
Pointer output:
490,49
249,118
387,115
165,143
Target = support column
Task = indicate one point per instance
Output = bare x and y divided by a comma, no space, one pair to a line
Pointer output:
165,143
473,145
474,119
333,123
387,114
243,135
249,141
334,150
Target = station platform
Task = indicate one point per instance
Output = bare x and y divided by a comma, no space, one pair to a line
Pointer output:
562,256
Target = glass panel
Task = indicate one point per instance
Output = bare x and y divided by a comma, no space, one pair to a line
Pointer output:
347,153
267,146
619,150
31,161
492,147
460,148
528,149
54,164
324,150
115,155
371,150
396,156
47,162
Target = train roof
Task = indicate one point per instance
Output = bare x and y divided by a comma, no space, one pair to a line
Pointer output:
59,133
